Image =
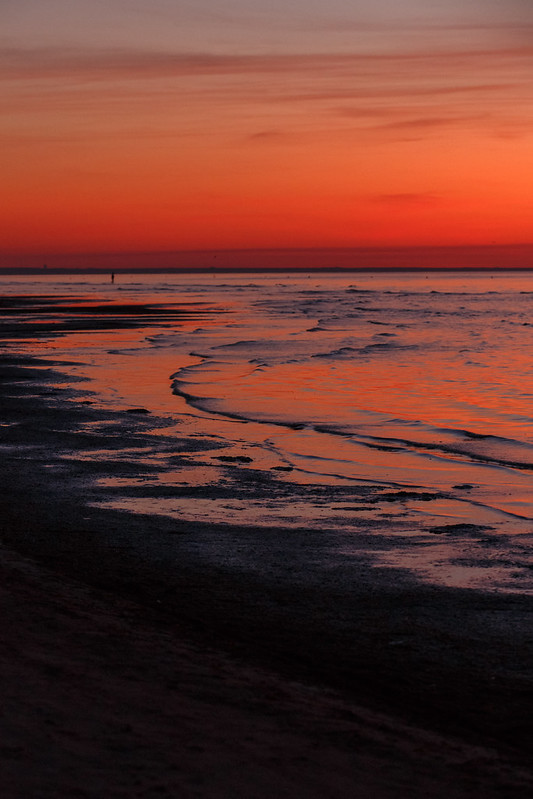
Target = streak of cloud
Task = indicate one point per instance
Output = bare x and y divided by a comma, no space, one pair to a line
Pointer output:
94,64
409,94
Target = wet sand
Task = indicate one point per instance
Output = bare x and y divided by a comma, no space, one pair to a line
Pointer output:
136,664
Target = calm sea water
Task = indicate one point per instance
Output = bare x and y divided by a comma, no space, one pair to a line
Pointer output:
418,383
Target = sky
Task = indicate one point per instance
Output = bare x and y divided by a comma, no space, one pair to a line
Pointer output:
130,126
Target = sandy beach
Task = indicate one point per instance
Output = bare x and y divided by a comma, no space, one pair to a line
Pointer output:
137,661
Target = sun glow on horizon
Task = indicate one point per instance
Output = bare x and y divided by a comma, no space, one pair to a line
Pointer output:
419,135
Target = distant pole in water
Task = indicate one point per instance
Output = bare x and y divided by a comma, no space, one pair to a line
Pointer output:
112,277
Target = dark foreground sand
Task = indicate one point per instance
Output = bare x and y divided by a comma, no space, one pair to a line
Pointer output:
129,671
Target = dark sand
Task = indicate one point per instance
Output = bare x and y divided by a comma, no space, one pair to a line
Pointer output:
133,664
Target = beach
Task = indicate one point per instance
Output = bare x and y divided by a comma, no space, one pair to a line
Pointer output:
147,654
266,400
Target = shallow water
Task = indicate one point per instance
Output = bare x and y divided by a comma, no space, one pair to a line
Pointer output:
413,382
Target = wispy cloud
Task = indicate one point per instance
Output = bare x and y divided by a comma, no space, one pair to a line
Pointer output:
409,95
426,123
268,136
94,64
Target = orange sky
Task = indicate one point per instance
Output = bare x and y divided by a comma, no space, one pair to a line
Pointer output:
338,125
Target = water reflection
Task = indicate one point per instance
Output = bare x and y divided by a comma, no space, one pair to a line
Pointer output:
315,391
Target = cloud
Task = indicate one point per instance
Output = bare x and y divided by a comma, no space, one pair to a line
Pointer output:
408,95
268,135
425,123
107,64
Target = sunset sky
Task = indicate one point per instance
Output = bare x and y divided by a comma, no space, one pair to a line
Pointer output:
134,126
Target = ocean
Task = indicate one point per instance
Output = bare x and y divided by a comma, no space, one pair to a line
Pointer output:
391,413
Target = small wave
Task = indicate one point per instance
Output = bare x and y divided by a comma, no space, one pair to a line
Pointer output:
336,353
442,442
191,399
237,345
386,346
461,529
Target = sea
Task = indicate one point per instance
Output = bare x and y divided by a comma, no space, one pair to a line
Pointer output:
390,413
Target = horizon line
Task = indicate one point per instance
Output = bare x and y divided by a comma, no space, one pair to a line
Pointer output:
460,257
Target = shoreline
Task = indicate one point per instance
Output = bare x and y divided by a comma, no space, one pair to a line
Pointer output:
453,665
